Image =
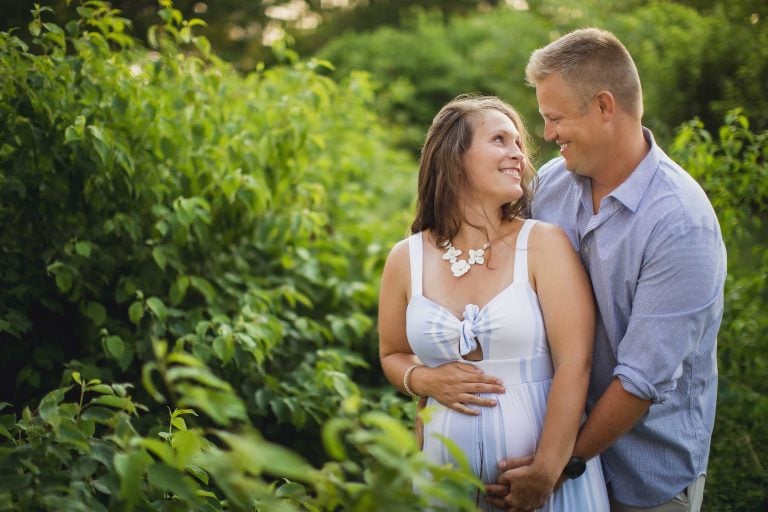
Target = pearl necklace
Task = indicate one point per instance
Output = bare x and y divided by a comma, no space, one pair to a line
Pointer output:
461,267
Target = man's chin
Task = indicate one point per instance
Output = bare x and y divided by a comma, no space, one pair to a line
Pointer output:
573,168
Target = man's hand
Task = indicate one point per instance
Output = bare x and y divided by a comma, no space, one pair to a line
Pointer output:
522,485
454,385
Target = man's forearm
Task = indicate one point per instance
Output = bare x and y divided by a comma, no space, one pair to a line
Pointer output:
615,413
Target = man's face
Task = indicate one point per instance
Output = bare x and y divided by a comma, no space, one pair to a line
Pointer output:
575,127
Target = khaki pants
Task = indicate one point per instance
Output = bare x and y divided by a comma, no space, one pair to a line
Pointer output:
687,501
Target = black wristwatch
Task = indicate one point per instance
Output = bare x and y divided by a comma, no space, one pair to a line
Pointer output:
575,467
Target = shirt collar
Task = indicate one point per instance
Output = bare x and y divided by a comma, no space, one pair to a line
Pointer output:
631,192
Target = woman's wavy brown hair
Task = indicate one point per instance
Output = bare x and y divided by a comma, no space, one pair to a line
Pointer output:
441,172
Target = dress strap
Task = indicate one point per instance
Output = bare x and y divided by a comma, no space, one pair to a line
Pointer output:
521,251
416,255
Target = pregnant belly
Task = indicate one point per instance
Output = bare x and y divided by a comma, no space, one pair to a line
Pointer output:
510,429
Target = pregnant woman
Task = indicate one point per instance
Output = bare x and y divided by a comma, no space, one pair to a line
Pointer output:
502,299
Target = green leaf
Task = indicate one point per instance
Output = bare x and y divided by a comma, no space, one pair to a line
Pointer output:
136,312
152,37
158,254
83,468
271,458
187,444
224,348
101,143
84,249
108,484
157,307
201,374
202,476
64,281
204,287
49,405
159,448
169,479
179,423
70,432
97,414
130,467
118,402
291,490
149,385
34,28
332,440
8,420
75,132
5,433
222,406
103,389
182,412
96,313
178,290
115,347
14,482
184,359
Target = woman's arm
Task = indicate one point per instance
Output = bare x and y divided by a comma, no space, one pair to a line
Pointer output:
568,308
394,351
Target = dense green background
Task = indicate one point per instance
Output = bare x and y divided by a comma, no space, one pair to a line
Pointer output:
192,240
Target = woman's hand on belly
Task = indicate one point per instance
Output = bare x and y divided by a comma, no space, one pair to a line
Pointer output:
455,385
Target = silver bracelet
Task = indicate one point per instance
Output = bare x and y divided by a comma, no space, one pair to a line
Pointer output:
407,376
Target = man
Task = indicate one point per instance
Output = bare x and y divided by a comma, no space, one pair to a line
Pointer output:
650,240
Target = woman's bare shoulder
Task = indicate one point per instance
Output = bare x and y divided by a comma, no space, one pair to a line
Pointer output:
546,236
398,259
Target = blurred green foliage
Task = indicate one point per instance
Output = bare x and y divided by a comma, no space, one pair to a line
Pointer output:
242,31
212,241
692,62
189,254
732,166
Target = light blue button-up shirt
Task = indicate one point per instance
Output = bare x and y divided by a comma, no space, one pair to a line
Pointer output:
657,262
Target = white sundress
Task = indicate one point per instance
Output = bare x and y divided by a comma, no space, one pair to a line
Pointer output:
510,331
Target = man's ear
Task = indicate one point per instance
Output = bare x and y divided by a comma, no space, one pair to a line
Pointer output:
606,102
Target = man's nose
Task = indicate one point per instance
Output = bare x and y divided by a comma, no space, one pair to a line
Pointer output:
549,130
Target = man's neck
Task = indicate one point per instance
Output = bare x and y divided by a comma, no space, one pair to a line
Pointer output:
629,148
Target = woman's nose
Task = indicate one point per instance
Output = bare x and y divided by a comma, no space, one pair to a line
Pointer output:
515,152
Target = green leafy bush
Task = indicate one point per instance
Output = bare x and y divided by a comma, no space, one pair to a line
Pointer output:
200,236
88,455
152,194
429,60
732,166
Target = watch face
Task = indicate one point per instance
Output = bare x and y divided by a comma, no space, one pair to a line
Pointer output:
575,468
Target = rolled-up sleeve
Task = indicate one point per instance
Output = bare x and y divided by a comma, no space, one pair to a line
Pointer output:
676,299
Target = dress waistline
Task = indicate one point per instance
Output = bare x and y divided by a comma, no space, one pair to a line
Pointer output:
517,371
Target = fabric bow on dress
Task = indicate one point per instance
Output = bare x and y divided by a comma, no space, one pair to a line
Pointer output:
468,338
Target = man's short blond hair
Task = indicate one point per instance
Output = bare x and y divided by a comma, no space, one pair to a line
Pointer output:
590,60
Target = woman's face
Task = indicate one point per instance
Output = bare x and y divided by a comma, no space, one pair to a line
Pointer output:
494,162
